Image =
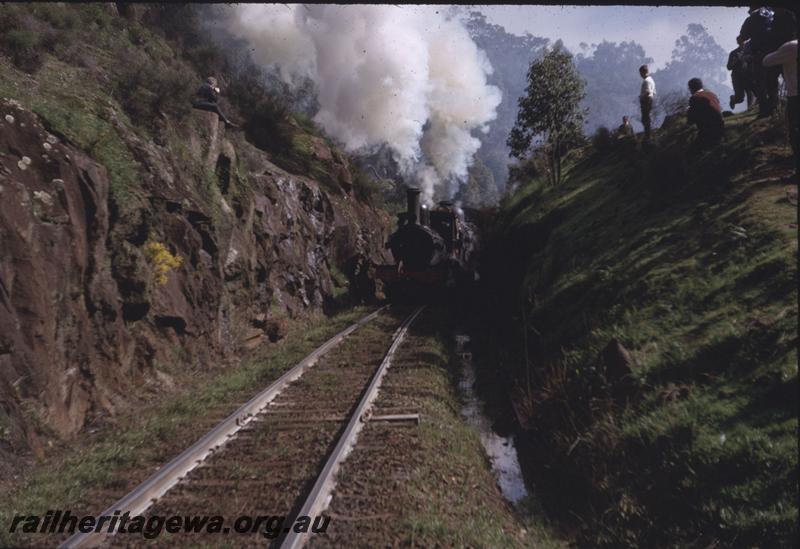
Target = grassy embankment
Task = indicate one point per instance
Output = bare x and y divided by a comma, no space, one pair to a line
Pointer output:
690,263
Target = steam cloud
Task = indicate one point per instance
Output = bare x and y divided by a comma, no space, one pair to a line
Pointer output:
399,76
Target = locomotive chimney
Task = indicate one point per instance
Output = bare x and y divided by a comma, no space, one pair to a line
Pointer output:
412,196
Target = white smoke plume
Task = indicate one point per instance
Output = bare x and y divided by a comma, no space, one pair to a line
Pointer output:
412,79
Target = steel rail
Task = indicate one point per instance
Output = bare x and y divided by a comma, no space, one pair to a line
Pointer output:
320,496
144,495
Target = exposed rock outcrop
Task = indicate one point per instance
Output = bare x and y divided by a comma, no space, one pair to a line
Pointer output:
84,321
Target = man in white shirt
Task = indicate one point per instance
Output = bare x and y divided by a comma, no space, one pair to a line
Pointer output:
786,56
646,97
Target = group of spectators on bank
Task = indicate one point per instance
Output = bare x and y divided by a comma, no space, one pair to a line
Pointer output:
767,49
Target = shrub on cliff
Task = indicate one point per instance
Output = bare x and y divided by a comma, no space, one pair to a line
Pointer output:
267,116
148,89
22,46
28,31
161,261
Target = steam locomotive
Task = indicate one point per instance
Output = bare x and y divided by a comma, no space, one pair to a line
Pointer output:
434,250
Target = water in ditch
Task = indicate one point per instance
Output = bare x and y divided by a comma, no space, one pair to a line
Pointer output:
501,450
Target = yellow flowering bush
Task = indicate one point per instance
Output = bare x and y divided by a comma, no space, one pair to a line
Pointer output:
161,261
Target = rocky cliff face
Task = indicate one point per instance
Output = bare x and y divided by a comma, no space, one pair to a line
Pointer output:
210,252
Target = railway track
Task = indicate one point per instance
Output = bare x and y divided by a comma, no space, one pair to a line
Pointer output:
278,454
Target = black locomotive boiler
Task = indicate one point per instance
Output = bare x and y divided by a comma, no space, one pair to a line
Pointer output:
434,251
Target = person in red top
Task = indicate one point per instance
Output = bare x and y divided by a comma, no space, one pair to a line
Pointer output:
704,112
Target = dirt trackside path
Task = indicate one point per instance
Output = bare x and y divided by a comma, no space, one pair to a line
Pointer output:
427,485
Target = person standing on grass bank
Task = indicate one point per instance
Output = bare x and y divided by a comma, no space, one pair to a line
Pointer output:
739,63
757,31
704,112
646,98
206,100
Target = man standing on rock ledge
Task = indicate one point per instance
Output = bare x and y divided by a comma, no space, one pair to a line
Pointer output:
206,100
646,98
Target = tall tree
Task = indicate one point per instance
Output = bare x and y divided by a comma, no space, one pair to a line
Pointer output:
697,50
510,55
550,113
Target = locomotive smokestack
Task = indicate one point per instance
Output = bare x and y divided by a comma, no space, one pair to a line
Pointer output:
412,196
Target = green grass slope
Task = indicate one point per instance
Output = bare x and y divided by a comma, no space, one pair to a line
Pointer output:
690,263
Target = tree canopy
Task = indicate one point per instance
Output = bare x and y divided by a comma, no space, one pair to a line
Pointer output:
550,112
510,56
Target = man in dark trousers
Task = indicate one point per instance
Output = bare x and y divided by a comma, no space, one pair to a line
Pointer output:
741,67
646,97
757,29
206,100
706,113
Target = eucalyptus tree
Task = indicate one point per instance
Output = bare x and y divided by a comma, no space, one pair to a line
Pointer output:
550,116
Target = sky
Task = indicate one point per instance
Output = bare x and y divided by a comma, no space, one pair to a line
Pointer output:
654,27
